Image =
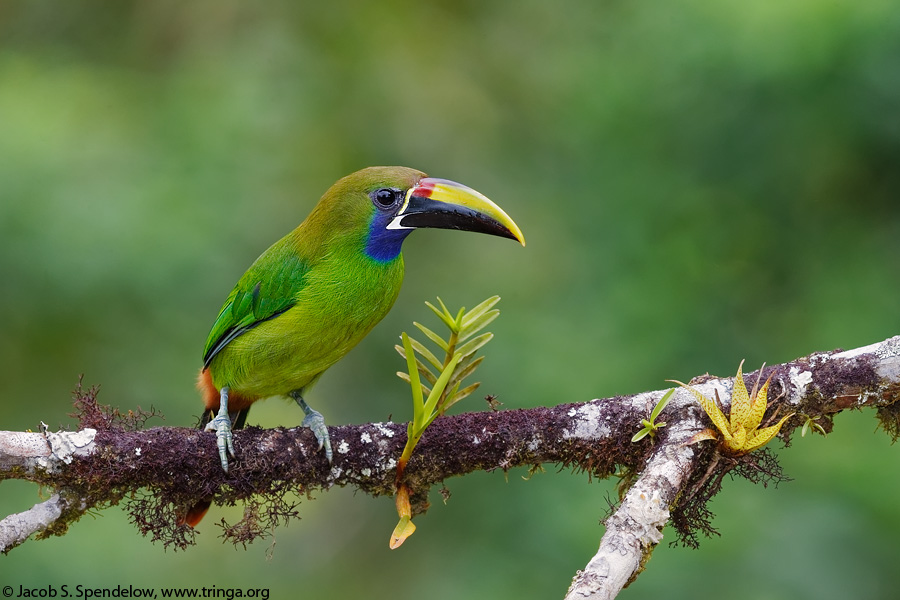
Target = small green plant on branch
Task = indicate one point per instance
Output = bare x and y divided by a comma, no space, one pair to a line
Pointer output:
650,426
438,384
811,425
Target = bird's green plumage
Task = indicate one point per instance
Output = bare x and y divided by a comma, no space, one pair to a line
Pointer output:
265,291
310,298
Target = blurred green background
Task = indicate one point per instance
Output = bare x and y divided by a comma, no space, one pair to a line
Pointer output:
699,182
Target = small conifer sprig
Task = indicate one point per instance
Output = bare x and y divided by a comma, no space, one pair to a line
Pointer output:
461,347
438,384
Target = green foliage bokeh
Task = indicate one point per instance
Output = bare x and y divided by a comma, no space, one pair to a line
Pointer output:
699,182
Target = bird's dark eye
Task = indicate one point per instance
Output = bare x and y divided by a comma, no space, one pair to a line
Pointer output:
386,197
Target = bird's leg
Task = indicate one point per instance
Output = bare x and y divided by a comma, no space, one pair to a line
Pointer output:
221,424
315,421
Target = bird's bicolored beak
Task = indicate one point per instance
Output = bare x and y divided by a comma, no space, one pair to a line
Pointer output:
445,204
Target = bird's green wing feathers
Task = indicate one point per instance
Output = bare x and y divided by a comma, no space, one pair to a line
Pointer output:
267,289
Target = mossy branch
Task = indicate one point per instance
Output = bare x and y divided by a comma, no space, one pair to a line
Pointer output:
157,471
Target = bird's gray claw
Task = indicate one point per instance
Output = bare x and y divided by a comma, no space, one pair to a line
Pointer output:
224,439
315,421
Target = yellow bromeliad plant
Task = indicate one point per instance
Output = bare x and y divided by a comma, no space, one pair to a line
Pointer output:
740,432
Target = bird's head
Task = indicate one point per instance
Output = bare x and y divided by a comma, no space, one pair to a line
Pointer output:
390,202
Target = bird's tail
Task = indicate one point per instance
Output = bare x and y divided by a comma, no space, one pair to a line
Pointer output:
195,514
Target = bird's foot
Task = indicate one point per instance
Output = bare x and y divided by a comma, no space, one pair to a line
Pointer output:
221,424
224,439
315,421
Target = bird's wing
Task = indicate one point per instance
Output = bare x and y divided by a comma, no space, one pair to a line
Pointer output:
265,291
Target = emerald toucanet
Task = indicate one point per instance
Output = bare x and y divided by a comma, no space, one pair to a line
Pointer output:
319,290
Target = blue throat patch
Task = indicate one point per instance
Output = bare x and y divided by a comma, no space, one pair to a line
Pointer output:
383,244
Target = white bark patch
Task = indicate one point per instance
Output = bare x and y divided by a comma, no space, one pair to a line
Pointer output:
870,349
343,447
15,529
587,425
646,400
65,445
383,430
365,438
648,515
889,355
800,379
23,444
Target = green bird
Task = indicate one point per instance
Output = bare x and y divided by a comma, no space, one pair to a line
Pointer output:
312,296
